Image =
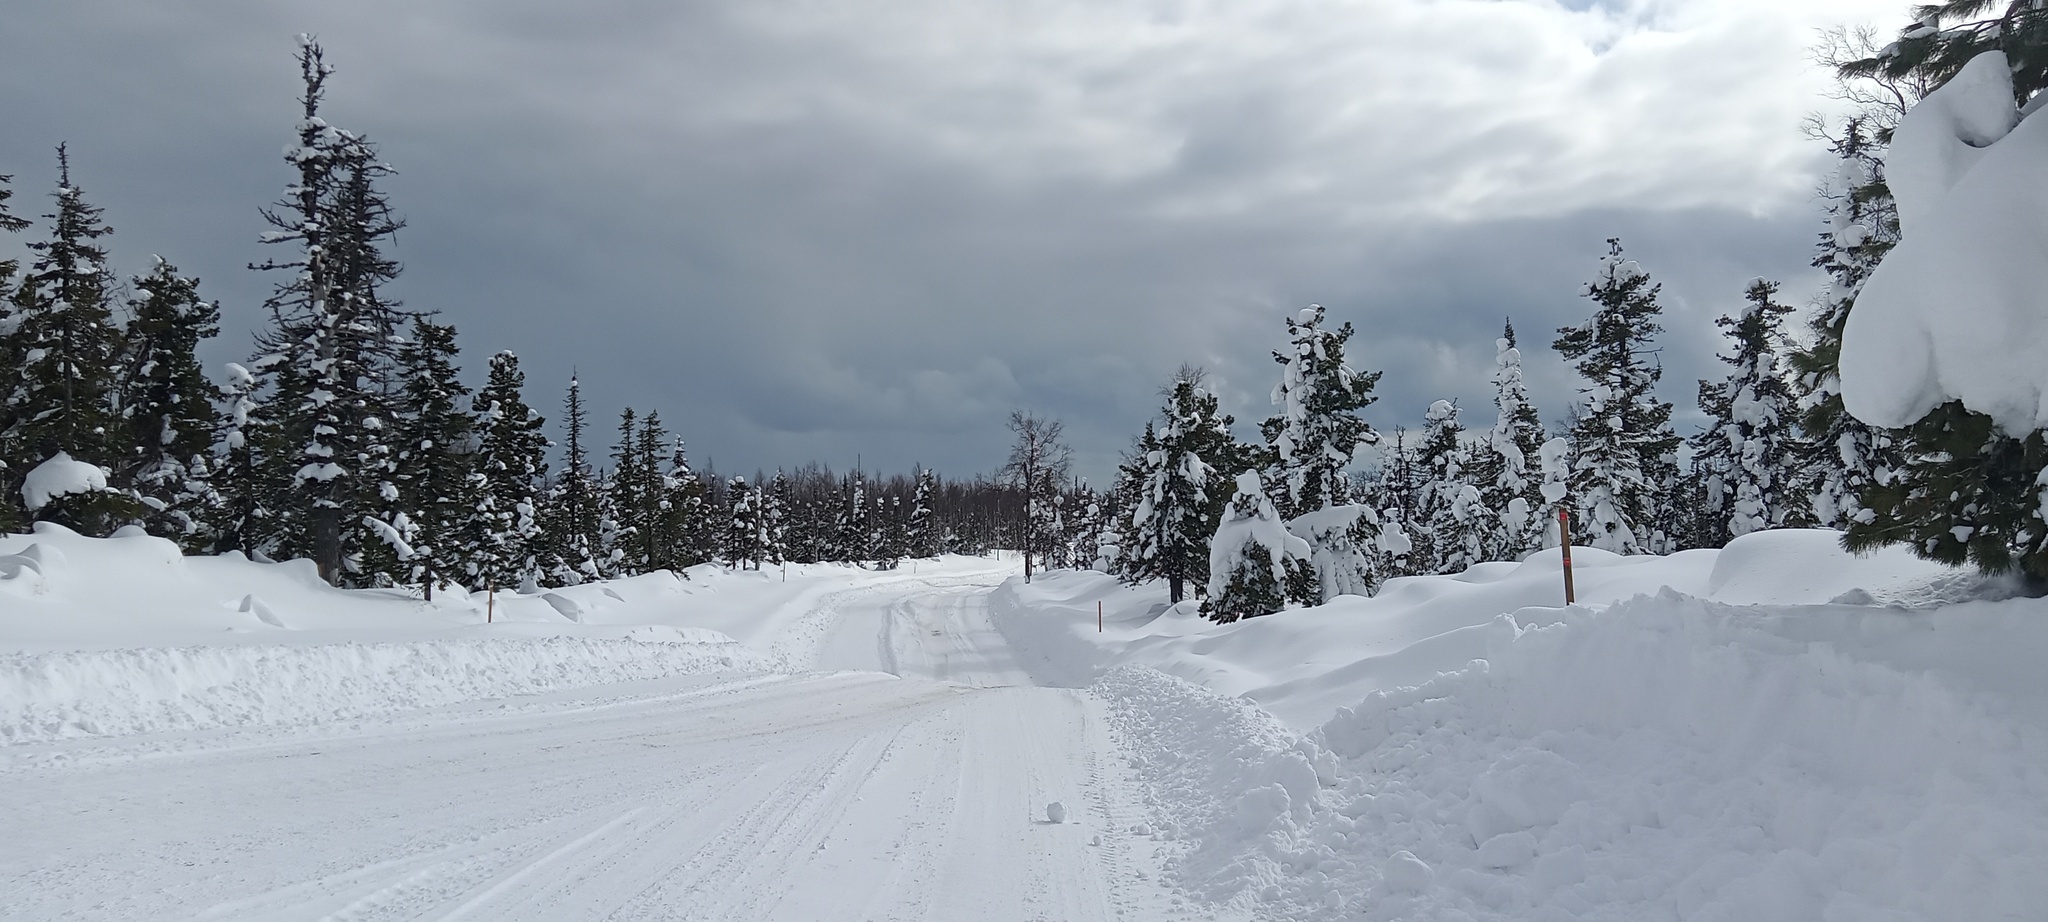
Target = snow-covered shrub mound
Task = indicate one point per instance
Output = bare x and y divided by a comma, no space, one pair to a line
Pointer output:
57,695
1959,310
1666,758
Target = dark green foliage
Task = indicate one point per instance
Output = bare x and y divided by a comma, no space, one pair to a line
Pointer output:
1965,494
61,385
1185,483
1945,36
169,407
436,445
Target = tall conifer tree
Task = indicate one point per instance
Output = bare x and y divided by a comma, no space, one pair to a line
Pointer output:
1622,443
169,406
62,394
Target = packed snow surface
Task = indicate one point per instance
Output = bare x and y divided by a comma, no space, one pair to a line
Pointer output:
1959,309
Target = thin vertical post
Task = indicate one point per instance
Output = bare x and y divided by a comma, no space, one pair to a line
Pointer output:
1564,534
1098,617
491,601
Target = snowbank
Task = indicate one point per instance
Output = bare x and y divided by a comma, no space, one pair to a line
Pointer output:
126,635
1663,758
1304,664
49,696
1959,309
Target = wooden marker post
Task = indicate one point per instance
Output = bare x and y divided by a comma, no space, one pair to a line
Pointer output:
491,601
1098,617
1564,535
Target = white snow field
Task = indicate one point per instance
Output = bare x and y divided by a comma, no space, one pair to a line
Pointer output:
1774,731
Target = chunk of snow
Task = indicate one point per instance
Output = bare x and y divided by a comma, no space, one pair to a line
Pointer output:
1959,309
61,475
1056,812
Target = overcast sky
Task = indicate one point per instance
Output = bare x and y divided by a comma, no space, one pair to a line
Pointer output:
811,230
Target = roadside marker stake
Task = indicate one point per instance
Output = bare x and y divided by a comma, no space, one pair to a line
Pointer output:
1098,617
1564,535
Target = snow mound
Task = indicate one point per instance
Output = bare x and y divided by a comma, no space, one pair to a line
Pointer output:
59,695
1959,309
61,475
1664,758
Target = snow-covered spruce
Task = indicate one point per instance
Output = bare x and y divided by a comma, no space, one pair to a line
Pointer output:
1252,557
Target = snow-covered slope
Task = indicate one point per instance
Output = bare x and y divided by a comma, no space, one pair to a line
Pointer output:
125,635
1776,731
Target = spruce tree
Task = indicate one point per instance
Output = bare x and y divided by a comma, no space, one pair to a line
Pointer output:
634,496
168,406
574,519
923,537
1181,498
1747,457
1841,456
1944,36
238,519
1253,558
1318,427
501,535
775,512
12,516
329,351
438,484
1451,533
686,519
62,395
1624,449
743,527
1505,465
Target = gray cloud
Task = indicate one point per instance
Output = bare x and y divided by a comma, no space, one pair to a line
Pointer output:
820,230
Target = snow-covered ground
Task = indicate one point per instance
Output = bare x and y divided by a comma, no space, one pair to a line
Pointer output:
1775,731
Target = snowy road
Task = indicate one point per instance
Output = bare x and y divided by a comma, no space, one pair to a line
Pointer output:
838,795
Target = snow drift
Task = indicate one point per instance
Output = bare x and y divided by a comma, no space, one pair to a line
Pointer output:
1665,758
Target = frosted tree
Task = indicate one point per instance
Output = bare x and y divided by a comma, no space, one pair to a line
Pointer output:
686,520
329,349
436,445
1504,466
61,396
1843,456
169,406
1623,447
923,537
1318,428
1451,516
235,519
501,534
743,526
852,534
634,492
575,521
1747,453
11,513
776,506
1253,558
1179,500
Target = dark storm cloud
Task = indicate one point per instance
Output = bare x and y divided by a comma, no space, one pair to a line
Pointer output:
815,231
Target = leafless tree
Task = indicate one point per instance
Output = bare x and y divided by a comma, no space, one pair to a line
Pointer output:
1038,464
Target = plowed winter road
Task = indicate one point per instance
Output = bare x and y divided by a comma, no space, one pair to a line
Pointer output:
836,795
